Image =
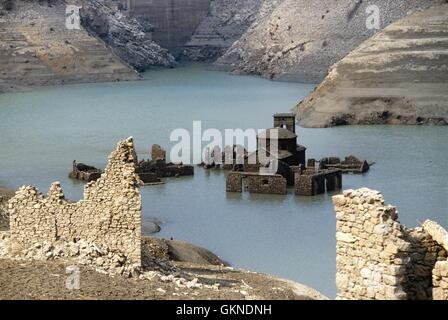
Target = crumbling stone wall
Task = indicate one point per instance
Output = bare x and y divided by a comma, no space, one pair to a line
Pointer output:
267,184
440,281
377,257
108,216
256,183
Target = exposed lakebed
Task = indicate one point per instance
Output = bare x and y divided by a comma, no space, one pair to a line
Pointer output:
43,131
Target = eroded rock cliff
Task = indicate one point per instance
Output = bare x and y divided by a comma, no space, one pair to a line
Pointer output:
225,24
37,49
399,76
128,38
301,39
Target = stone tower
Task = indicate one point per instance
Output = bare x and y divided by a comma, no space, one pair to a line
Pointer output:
285,121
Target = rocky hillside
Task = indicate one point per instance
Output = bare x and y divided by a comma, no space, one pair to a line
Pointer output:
129,39
225,24
399,76
301,39
37,49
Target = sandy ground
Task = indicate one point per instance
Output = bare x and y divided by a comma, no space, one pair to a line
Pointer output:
38,280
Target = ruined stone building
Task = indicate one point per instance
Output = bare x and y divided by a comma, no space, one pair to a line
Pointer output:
150,171
377,258
280,144
108,217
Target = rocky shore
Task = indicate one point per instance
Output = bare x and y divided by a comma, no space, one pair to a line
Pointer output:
398,76
101,235
174,270
39,280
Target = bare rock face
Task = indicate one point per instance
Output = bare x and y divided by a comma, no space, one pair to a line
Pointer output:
225,24
301,39
37,49
399,76
126,36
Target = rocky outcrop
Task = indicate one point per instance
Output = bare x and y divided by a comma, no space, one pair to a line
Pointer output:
301,39
225,24
37,49
399,76
129,39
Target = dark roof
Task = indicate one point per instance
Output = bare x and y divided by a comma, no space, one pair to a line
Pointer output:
282,134
286,115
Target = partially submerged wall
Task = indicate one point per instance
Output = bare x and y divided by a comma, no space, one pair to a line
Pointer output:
108,216
378,258
256,183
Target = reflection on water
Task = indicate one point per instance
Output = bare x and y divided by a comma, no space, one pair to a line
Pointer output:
42,132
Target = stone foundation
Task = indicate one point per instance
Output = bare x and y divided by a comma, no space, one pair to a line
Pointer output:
256,183
311,183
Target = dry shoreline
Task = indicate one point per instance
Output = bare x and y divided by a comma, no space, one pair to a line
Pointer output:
37,280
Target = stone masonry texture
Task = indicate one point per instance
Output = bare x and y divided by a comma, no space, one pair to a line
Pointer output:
109,215
380,259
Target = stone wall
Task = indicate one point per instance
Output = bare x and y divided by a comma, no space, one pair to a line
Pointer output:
234,182
377,257
440,281
310,183
109,215
256,183
267,184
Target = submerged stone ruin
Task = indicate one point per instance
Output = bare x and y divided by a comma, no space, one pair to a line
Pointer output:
83,172
307,178
378,258
104,227
152,170
149,171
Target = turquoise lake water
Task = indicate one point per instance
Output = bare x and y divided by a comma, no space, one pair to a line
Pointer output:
43,131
